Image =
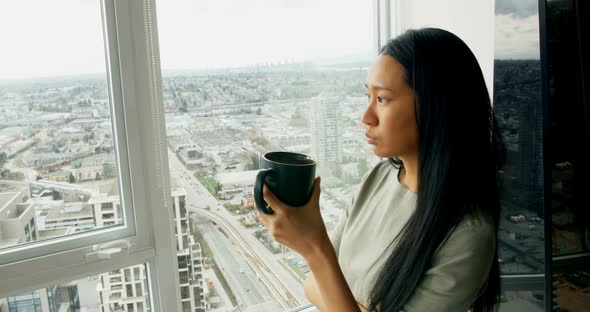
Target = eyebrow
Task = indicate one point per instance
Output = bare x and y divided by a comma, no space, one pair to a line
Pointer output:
378,87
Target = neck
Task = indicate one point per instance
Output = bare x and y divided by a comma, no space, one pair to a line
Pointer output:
409,176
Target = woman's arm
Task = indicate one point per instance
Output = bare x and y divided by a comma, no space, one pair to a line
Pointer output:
303,230
312,293
334,293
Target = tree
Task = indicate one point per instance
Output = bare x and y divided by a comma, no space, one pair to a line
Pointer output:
2,158
71,178
362,167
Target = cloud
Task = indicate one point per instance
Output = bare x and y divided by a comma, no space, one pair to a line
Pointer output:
518,8
517,38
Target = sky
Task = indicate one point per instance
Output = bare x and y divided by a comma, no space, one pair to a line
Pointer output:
517,29
64,37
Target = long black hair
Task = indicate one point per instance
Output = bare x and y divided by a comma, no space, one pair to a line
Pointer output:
460,152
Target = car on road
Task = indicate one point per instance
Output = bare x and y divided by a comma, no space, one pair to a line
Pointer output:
242,271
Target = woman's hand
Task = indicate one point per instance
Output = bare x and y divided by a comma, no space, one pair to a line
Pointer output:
300,228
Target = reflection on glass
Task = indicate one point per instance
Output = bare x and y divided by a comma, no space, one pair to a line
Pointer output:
518,107
58,173
571,290
111,291
570,216
251,77
570,149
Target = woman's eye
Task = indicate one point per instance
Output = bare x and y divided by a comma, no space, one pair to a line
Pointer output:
380,99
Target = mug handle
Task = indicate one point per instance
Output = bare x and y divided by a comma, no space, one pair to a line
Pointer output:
258,197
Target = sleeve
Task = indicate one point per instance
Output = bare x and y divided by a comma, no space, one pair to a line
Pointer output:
458,272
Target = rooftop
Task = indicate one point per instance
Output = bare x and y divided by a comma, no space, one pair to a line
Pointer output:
71,210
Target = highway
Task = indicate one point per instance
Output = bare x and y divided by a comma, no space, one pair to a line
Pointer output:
286,290
279,291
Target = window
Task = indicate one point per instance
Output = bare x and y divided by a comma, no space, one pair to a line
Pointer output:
82,179
56,121
519,109
570,146
240,79
94,293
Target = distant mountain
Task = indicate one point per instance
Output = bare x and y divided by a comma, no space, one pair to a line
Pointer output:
356,59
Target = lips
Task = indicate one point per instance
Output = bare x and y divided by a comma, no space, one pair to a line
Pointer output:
370,139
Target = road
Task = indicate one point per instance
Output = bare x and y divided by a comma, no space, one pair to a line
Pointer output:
237,272
290,291
271,280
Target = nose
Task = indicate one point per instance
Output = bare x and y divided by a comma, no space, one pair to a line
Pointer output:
369,118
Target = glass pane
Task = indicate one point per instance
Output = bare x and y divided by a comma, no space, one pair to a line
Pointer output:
569,116
103,292
243,78
519,301
58,174
571,290
570,148
518,107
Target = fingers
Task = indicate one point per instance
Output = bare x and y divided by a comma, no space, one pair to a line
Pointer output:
263,219
270,225
271,199
316,189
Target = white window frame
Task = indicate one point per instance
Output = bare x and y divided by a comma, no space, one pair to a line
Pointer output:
131,47
389,21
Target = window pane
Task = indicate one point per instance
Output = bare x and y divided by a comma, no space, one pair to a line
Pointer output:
518,107
570,288
240,79
570,148
58,173
103,292
518,301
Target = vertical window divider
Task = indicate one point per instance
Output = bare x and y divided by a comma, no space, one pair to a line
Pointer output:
148,143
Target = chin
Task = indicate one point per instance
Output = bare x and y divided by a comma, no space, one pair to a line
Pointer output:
383,154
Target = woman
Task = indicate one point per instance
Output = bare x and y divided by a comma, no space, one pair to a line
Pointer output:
420,234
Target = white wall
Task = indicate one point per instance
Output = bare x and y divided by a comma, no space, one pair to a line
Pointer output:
471,20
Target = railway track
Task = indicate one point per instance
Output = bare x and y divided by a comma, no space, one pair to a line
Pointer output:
279,291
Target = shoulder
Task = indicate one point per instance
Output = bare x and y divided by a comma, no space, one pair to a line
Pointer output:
373,181
478,223
474,236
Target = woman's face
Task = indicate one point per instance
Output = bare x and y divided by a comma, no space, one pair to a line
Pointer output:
390,118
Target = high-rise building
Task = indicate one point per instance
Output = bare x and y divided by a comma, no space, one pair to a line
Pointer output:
326,129
121,290
18,225
17,220
107,209
124,290
190,261
50,299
